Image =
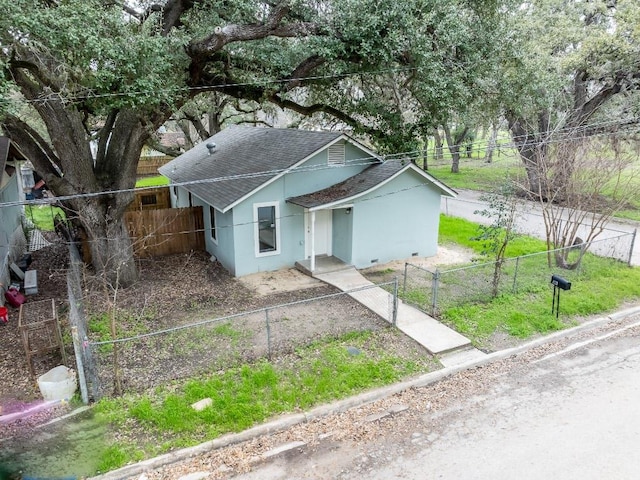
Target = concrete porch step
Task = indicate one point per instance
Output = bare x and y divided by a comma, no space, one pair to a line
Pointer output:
324,264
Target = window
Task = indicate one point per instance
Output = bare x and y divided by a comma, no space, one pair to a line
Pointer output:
267,228
212,217
149,199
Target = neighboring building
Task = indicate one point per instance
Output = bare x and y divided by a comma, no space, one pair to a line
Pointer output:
12,240
274,197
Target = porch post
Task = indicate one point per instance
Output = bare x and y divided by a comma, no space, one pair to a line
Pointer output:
312,221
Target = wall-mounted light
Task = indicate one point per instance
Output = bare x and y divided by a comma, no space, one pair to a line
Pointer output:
348,211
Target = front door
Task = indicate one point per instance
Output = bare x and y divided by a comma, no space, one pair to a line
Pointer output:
323,232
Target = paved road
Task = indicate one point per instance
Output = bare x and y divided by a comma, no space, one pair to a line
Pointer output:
570,414
530,222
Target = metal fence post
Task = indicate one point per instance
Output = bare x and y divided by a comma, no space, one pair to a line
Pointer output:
266,317
434,291
633,243
82,380
404,281
394,319
515,275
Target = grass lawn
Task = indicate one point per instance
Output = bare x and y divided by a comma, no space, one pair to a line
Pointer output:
242,397
42,215
475,174
600,285
156,181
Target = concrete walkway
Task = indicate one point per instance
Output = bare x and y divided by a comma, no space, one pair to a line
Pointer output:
428,332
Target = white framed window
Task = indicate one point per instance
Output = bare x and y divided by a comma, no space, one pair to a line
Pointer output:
212,218
266,227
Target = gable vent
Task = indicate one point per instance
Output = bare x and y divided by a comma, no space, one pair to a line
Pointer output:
336,154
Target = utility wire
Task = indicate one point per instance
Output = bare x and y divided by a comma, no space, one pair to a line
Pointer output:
409,155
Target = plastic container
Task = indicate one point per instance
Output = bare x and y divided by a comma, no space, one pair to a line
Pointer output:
59,383
4,315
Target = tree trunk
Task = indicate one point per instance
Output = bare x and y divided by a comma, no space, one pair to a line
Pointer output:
109,243
454,147
491,146
533,151
438,145
86,177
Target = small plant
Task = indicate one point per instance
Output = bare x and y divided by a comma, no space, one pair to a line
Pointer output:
496,236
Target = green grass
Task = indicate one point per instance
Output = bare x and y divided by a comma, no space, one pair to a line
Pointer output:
454,230
475,174
157,181
478,175
250,394
600,285
42,215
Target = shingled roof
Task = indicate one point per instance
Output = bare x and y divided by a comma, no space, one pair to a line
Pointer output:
369,179
244,158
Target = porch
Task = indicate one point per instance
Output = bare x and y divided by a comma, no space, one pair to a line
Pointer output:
323,264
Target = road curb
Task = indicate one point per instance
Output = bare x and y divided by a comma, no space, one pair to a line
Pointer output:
287,421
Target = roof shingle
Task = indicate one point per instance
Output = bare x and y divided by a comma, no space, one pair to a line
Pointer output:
243,159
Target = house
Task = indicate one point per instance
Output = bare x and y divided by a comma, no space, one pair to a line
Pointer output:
12,240
274,197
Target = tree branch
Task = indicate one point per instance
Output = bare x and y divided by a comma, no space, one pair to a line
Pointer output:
303,70
34,147
104,135
271,27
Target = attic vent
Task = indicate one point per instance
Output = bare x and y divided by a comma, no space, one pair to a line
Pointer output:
336,154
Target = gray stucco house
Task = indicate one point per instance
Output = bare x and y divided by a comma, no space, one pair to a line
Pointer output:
274,197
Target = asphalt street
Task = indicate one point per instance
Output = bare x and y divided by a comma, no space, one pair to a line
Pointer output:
530,221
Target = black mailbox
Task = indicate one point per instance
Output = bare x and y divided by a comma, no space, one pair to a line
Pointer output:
561,283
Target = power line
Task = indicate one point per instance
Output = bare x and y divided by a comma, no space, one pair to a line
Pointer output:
410,155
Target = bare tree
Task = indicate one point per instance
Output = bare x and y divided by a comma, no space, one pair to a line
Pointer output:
576,174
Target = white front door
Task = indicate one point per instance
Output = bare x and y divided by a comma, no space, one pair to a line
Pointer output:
322,232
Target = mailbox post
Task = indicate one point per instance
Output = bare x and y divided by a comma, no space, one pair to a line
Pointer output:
558,283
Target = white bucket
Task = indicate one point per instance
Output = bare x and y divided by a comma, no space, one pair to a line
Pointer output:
59,383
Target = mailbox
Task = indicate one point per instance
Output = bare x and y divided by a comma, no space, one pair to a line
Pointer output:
561,283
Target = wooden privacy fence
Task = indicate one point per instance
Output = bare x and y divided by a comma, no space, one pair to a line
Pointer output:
149,165
166,231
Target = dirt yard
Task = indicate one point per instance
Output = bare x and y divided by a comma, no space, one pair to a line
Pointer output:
181,289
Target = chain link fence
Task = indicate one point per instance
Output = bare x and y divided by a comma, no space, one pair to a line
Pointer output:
88,378
156,358
435,291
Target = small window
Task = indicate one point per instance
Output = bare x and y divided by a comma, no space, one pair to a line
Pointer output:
149,199
267,229
212,217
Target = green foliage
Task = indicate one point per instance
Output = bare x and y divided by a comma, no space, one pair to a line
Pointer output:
96,50
501,210
464,232
116,456
600,286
